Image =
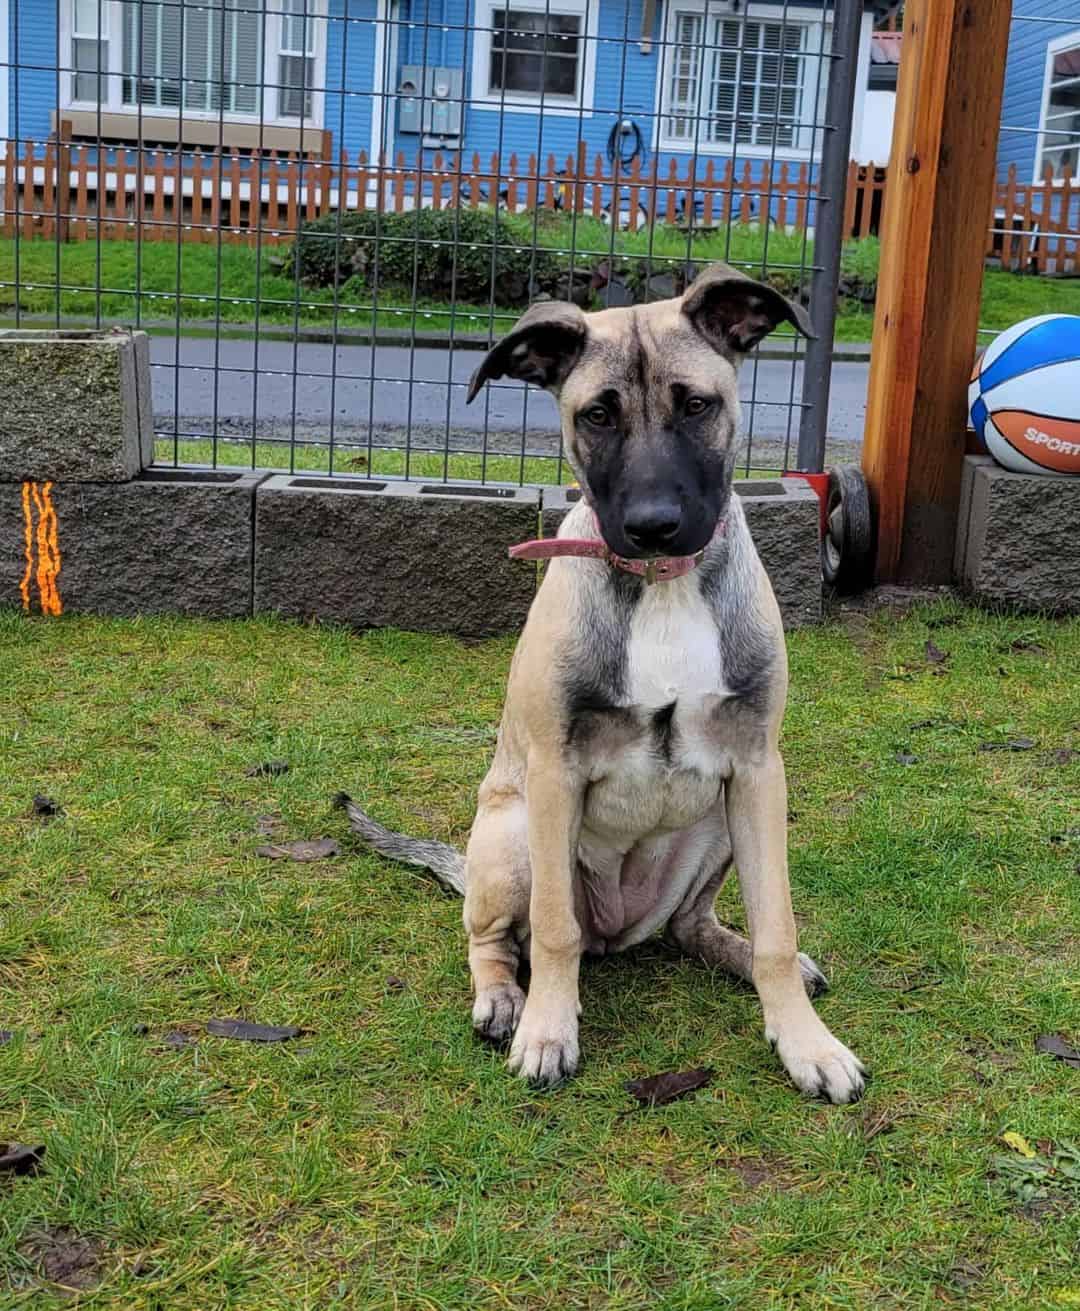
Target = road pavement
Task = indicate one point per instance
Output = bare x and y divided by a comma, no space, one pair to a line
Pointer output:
421,393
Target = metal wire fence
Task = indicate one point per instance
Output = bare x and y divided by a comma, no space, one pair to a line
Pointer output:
322,210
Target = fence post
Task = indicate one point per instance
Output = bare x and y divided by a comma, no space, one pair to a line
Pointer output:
829,231
63,180
941,175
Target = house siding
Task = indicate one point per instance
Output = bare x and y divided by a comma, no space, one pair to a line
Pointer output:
32,43
1025,73
625,87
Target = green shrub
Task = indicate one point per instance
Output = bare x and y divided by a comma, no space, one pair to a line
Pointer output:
466,254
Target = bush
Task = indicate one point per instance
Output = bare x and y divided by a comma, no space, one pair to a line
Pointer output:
442,253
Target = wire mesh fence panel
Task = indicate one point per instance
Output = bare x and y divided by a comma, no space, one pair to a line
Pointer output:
324,210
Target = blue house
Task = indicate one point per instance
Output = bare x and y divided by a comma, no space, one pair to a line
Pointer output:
662,79
642,80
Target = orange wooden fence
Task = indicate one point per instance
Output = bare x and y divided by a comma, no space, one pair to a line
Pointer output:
74,192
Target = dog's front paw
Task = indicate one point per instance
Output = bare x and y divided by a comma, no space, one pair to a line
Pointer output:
496,1012
819,1064
545,1047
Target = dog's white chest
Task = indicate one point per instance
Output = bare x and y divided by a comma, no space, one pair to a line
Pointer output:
667,773
673,653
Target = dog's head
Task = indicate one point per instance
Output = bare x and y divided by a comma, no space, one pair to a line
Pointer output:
648,401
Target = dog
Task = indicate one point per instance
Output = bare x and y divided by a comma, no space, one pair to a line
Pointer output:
638,755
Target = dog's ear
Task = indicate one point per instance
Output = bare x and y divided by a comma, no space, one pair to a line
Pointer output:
543,347
733,312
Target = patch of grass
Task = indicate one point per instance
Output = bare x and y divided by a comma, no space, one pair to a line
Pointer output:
387,1160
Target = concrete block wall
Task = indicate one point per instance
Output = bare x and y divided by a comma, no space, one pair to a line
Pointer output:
1018,539
89,525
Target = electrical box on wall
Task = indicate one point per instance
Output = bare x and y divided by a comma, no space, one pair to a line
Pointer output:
429,101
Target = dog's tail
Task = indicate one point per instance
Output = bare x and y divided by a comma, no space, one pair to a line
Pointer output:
444,861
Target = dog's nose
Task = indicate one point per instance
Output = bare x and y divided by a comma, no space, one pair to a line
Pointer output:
652,525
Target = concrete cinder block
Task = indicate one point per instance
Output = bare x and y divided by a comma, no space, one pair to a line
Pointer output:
784,520
169,541
423,556
1018,540
784,517
76,405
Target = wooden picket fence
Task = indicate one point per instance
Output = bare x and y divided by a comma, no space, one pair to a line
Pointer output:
74,192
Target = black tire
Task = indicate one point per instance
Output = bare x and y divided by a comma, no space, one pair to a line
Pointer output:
847,545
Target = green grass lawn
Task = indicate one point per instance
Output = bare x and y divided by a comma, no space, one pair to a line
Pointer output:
385,1159
143,281
396,462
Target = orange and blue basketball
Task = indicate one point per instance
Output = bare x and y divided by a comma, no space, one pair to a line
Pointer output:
1024,396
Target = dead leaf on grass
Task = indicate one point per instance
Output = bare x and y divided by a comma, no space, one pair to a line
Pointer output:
5,1036
394,984
1019,1144
46,808
268,769
1053,1044
658,1089
934,654
1064,756
177,1039
246,1031
305,850
1022,644
267,825
1013,744
1066,835
18,1158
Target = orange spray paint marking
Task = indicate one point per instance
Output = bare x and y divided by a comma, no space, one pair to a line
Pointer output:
48,548
28,528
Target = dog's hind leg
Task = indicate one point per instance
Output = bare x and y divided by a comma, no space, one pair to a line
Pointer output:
695,930
497,910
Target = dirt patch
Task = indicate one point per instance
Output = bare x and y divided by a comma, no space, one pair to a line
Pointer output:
755,1173
64,1257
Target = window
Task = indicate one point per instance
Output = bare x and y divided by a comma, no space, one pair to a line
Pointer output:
89,50
212,52
199,57
740,82
1059,138
296,61
535,53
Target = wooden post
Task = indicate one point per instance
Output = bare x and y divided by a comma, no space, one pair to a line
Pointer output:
941,175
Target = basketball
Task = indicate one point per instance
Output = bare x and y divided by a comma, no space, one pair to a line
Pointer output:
1024,396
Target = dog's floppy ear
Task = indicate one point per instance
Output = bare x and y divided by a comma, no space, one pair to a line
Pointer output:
543,347
733,312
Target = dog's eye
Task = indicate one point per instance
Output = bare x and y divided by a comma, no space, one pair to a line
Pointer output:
697,405
598,416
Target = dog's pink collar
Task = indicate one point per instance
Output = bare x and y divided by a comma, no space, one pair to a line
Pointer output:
658,570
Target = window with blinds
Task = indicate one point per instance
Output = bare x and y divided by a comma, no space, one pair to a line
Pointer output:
737,81
205,59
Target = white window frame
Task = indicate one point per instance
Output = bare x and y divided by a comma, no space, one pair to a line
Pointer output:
816,41
112,82
520,102
1067,42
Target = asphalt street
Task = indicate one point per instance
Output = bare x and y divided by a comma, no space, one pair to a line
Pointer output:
420,391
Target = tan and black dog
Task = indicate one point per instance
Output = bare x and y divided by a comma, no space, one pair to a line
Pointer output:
638,754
